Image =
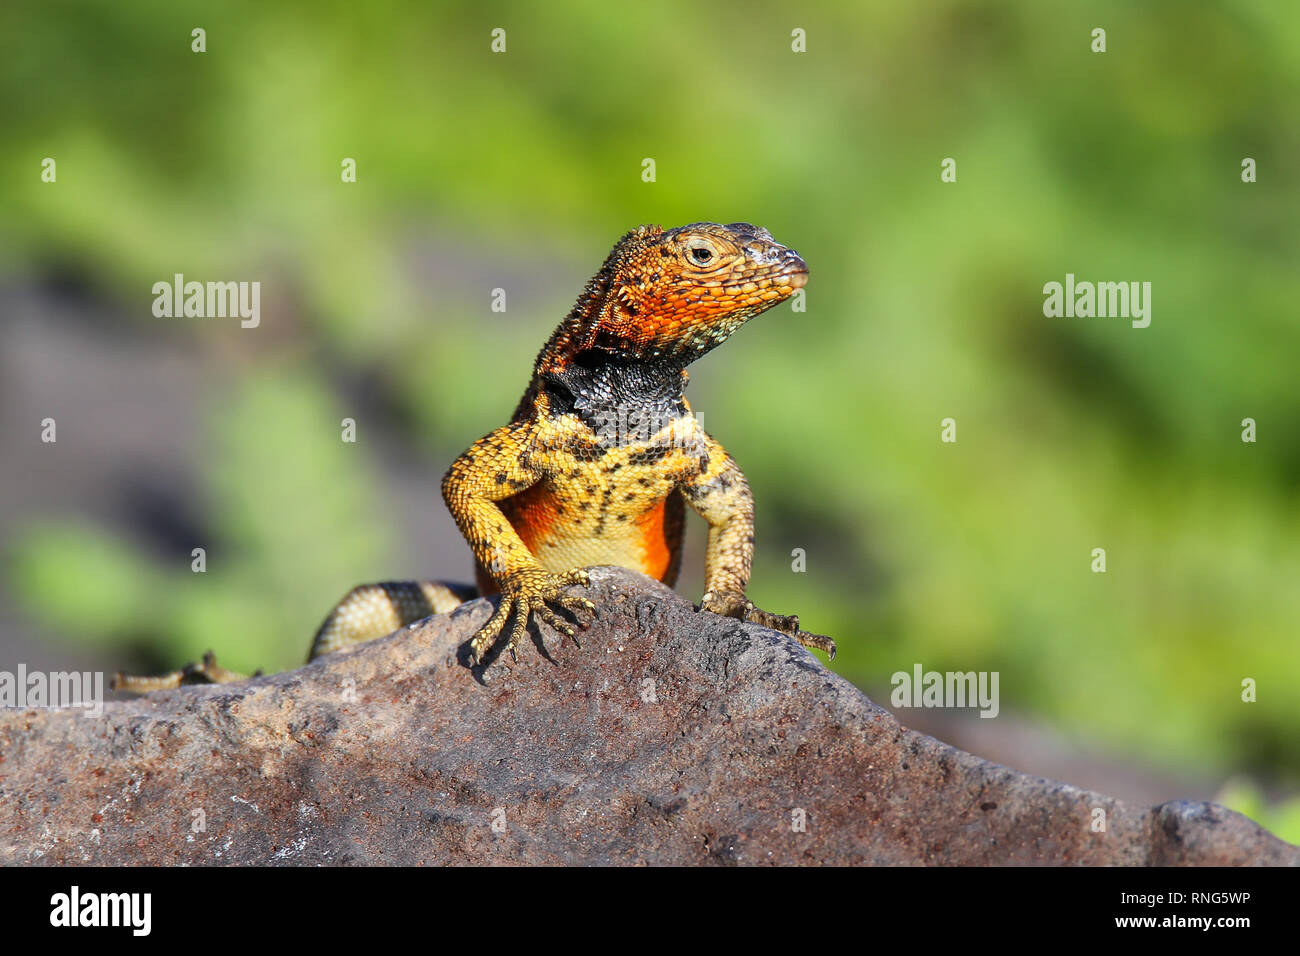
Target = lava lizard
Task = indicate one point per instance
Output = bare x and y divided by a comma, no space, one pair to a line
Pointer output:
602,456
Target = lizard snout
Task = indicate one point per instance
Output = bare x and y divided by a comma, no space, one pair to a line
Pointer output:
793,269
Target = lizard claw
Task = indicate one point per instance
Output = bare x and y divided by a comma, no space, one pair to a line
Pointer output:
525,595
735,604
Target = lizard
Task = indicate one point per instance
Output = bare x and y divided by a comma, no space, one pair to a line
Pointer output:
601,458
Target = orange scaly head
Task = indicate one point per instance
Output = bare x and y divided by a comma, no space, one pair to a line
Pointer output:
669,296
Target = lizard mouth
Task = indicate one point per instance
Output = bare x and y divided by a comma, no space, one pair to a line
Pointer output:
795,271
796,278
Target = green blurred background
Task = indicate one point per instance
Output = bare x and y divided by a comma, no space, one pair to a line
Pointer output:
479,170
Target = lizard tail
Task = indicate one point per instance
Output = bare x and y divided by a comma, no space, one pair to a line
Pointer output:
373,610
365,612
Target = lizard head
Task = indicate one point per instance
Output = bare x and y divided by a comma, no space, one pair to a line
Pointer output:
671,295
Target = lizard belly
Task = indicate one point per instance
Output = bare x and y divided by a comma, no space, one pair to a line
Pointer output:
575,527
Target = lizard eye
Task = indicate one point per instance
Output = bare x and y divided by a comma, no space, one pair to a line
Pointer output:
702,255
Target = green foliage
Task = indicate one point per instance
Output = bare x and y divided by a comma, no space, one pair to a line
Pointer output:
292,530
83,582
1282,819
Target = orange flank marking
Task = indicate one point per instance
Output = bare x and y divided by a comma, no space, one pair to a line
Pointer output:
653,542
533,515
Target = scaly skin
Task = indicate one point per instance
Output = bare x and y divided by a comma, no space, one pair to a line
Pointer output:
603,453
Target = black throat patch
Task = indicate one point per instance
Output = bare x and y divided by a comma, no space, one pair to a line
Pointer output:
623,401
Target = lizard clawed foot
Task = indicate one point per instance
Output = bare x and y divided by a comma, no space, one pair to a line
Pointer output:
206,671
734,604
525,594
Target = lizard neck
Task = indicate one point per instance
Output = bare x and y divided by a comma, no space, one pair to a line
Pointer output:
620,320
575,335
621,399
582,370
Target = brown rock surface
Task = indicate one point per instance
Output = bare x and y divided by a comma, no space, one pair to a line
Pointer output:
670,737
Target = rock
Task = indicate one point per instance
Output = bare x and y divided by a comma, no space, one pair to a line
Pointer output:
670,737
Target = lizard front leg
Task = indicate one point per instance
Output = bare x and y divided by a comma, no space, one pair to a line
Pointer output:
496,467
720,494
